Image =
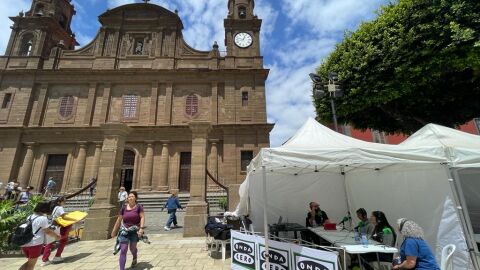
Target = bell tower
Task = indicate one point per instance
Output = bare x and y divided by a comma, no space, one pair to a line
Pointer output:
45,26
242,35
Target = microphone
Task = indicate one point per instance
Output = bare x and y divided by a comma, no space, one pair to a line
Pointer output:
346,218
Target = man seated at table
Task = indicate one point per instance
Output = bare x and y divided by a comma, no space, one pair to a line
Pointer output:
316,217
364,226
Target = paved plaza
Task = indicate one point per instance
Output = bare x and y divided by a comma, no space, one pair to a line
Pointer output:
167,251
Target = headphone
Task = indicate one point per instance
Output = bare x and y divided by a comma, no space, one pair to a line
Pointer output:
402,224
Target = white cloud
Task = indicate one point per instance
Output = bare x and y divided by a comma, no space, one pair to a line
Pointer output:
9,8
330,15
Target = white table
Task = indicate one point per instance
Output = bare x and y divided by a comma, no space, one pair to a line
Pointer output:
346,240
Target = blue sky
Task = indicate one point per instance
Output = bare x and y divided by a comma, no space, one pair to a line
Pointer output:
296,36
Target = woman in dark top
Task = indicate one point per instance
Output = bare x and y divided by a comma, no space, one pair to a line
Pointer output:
130,222
382,233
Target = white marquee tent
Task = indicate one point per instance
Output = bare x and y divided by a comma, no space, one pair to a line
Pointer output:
416,180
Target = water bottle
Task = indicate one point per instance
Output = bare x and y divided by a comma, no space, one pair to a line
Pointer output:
356,236
364,240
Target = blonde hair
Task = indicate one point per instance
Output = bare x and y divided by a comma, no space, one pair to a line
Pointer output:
409,228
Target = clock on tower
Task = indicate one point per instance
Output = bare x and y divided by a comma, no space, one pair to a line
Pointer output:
242,35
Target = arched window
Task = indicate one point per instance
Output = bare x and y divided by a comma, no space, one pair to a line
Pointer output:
242,12
27,45
66,106
191,105
39,10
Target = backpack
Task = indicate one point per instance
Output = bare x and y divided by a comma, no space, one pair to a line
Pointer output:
23,233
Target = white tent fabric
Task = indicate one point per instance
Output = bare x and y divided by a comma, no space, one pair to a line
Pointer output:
461,148
343,174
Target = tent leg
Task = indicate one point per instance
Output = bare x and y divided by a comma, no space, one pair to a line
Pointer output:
265,221
464,218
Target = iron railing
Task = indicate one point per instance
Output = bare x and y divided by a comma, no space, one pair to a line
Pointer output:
217,195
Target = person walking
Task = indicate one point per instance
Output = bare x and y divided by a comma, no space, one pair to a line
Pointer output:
57,212
414,251
40,228
92,187
172,205
50,187
122,197
129,228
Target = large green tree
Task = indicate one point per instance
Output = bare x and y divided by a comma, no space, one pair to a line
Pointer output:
417,63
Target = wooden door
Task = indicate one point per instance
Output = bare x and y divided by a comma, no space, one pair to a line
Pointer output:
185,171
56,169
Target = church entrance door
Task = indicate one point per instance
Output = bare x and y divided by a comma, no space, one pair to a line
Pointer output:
56,169
128,165
185,172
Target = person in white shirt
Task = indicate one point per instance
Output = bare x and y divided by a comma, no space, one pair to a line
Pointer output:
40,228
57,212
122,197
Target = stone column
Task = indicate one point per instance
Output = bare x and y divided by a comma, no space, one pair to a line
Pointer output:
26,170
147,171
196,216
77,175
104,211
96,159
214,158
164,162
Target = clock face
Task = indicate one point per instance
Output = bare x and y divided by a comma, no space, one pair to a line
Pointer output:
243,40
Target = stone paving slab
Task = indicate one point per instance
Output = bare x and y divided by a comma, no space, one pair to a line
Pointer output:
167,251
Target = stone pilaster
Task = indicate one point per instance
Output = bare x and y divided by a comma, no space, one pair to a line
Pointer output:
104,211
164,162
26,170
214,158
96,159
196,216
147,172
77,175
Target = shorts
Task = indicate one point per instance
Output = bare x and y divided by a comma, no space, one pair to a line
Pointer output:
129,238
32,252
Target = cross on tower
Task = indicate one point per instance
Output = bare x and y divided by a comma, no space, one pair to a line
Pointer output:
146,1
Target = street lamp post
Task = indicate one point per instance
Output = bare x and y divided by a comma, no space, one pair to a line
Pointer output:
333,90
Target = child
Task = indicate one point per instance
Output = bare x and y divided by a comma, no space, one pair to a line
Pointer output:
40,228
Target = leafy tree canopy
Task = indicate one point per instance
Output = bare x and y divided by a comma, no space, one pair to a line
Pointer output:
417,63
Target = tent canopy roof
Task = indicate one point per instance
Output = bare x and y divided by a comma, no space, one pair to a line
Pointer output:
315,145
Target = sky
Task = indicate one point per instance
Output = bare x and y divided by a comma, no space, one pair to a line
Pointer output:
296,36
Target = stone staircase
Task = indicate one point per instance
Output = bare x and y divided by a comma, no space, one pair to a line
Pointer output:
152,202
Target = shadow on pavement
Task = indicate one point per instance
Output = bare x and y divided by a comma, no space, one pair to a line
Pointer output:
142,265
76,257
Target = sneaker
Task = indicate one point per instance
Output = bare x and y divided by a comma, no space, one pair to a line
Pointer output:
166,228
176,226
46,263
57,259
134,263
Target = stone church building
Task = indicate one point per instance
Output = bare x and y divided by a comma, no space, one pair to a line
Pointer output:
137,106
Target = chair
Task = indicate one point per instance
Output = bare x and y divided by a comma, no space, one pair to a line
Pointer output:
447,257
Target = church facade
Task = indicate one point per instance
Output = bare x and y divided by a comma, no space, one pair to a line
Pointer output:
136,107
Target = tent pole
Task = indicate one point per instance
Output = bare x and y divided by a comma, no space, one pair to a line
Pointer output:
265,221
350,222
463,216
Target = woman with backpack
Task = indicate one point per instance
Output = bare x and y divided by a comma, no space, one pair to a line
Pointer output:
129,228
39,229
57,212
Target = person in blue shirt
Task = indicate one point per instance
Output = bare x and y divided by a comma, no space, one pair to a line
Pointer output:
172,205
414,252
